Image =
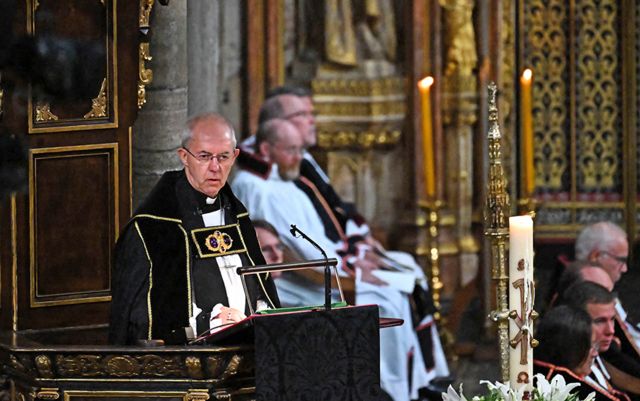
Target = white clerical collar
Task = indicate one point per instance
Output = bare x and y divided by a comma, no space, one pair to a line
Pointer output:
210,201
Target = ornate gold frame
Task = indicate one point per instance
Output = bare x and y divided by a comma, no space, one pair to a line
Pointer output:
80,123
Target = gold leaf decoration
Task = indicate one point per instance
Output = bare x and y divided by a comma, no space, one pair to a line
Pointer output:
99,103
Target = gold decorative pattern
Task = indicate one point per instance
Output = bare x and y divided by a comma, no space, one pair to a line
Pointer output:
144,16
43,364
597,108
354,139
233,367
118,366
496,228
48,394
43,113
546,55
359,113
215,365
194,367
145,75
507,72
197,395
99,103
358,87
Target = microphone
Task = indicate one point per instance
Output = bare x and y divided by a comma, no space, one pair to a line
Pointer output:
327,269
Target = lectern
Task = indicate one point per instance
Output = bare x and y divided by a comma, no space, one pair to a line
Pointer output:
303,355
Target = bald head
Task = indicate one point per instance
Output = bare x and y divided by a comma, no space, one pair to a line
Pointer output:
596,274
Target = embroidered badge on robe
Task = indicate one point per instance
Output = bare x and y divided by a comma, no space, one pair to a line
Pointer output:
218,241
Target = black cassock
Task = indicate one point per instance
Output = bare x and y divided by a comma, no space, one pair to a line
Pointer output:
159,267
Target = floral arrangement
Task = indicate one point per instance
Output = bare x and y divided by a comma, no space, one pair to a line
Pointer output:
555,390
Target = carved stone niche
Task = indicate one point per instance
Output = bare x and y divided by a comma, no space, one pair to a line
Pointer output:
359,114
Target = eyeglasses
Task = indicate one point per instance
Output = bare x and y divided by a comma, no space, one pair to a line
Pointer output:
272,248
300,113
292,150
221,158
623,260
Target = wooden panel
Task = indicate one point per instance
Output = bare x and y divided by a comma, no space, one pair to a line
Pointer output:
82,220
92,35
56,240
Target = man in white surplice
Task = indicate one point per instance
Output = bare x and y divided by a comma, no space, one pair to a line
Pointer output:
278,196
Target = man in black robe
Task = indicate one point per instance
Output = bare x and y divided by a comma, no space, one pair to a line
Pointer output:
174,273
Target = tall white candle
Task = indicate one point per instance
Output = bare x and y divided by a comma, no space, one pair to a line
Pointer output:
521,295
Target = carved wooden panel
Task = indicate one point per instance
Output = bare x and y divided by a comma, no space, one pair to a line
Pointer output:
57,237
84,225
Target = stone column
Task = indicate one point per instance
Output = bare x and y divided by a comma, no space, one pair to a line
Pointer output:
156,133
203,33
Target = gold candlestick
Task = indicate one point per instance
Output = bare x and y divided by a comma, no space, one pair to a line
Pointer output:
496,228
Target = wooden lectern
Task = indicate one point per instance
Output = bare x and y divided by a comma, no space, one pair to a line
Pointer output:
306,355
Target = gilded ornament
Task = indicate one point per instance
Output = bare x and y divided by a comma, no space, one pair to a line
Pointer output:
43,364
79,365
154,365
48,394
219,242
99,103
233,366
215,365
496,229
121,366
43,113
144,16
194,367
16,364
145,75
197,395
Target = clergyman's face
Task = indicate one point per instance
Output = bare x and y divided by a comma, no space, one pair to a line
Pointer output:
210,137
286,152
299,111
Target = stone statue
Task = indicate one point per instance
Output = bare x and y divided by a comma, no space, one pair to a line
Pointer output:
353,37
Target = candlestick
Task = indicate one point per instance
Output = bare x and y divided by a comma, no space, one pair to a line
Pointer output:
427,138
521,295
528,175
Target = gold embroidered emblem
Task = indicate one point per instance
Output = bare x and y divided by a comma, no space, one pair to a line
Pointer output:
218,242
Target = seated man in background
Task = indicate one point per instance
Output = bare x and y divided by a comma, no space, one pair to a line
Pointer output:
567,347
283,198
605,244
611,366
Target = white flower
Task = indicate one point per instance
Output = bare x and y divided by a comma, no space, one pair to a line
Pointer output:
556,390
507,393
451,395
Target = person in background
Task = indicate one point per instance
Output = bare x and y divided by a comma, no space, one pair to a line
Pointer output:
612,369
567,347
605,244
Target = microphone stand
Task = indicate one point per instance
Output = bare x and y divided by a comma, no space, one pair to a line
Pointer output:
327,267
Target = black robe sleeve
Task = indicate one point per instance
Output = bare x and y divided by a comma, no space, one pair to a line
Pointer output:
129,320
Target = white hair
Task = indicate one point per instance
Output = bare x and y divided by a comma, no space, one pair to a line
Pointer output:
599,236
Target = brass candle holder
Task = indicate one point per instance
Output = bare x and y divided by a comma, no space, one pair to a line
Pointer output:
496,213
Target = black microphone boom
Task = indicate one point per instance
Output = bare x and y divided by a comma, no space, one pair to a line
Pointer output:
327,268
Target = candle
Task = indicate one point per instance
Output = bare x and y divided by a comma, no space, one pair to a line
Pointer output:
427,138
521,295
528,175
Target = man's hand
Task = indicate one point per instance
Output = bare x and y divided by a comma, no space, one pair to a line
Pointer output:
367,267
229,315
